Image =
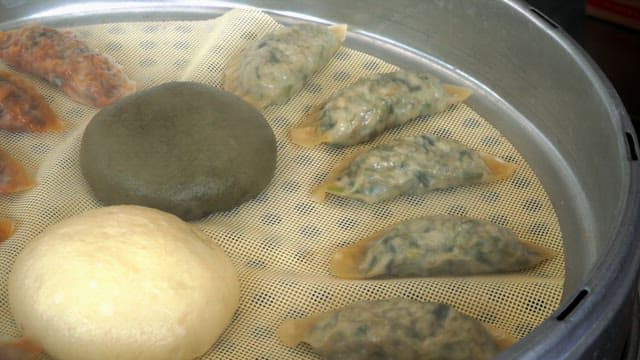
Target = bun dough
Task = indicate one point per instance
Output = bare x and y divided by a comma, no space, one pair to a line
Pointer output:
123,282
182,147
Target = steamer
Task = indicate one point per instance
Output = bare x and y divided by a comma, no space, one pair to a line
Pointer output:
536,86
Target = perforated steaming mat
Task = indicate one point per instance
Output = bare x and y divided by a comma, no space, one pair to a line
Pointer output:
281,242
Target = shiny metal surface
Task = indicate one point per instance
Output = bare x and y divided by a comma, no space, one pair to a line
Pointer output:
533,83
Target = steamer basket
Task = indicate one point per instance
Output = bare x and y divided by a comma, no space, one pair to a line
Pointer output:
534,84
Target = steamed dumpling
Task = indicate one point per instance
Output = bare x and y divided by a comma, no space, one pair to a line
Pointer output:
411,166
276,67
395,329
441,245
371,105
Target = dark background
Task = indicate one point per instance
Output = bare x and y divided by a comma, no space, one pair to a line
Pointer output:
616,49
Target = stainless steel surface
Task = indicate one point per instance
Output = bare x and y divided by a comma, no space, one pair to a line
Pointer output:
530,80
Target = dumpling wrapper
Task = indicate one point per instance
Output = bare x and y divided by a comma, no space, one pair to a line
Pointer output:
371,105
411,166
395,329
276,67
441,245
22,108
13,176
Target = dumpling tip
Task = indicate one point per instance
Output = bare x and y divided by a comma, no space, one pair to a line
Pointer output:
19,179
305,136
344,263
329,185
460,93
499,169
319,194
544,253
502,339
293,331
340,30
56,126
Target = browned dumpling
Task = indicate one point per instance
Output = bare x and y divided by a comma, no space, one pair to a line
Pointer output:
22,108
86,75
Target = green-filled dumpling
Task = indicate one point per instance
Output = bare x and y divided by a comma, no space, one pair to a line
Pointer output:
411,165
441,245
396,329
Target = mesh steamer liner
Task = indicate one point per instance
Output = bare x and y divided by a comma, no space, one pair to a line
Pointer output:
281,242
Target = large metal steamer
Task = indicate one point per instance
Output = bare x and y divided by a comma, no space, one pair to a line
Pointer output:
535,85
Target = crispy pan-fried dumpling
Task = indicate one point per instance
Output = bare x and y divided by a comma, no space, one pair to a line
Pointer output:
410,166
7,228
371,105
276,67
441,245
13,176
395,329
22,108
87,76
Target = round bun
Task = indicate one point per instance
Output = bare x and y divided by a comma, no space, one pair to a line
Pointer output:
123,282
182,147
